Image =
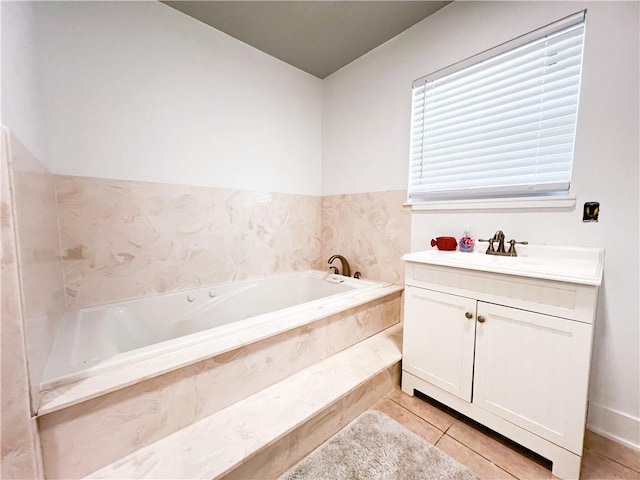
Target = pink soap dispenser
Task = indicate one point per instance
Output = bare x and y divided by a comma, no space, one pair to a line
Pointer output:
466,241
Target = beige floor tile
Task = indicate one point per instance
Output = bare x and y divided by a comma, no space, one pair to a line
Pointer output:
613,450
498,451
598,467
426,411
412,422
470,459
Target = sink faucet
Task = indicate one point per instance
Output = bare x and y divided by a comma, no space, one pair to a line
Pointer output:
346,271
499,237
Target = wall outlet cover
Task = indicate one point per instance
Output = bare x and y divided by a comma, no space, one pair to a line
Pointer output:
590,211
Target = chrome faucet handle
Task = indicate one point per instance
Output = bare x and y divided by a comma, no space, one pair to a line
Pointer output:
512,247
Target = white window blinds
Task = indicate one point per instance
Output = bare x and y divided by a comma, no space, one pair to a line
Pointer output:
501,123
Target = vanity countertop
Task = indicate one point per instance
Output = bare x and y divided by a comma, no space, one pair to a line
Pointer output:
564,264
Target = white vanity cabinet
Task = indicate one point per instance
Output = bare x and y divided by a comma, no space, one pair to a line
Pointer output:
439,340
511,351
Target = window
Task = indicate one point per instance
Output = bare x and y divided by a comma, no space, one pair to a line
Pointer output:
501,123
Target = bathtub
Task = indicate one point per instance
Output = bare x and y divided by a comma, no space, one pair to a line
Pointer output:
97,339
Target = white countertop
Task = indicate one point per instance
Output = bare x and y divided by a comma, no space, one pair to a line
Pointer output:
564,264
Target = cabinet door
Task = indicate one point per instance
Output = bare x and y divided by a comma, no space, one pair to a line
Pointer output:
439,339
532,370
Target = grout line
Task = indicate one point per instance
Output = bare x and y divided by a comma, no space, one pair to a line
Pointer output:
439,438
421,418
493,462
482,456
449,427
487,458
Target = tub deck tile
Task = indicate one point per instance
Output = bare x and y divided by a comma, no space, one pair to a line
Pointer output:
110,381
215,445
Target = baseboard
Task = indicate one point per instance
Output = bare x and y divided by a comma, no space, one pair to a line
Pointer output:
617,426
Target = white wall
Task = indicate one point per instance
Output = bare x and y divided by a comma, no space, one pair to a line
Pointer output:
366,148
140,91
21,108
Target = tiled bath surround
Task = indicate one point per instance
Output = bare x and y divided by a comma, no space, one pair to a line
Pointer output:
372,230
85,437
124,239
38,249
18,433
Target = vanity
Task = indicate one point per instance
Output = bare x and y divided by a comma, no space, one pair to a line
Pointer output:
506,341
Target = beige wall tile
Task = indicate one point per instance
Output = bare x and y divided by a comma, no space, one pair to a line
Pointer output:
18,436
124,239
372,230
38,247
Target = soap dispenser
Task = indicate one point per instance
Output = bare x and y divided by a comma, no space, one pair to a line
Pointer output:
466,241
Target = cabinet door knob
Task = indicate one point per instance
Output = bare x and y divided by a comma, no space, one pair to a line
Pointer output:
469,315
481,319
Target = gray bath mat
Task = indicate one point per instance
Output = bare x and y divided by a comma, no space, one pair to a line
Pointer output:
376,447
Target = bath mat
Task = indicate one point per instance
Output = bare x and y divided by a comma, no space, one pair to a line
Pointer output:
376,447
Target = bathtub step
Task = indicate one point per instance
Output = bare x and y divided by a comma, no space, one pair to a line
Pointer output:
264,434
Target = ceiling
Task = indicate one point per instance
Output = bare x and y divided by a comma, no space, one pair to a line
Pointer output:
319,37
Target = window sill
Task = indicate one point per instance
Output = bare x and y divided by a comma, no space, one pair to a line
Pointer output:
504,204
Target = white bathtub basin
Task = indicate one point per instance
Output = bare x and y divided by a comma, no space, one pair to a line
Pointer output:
566,264
96,339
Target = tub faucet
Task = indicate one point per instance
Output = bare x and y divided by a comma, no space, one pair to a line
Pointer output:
346,271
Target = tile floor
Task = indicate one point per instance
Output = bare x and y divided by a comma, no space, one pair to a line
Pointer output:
491,456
